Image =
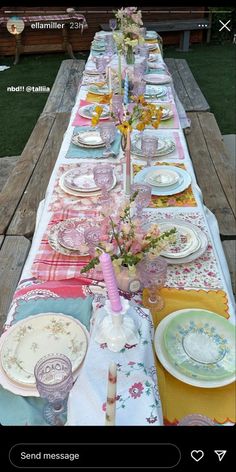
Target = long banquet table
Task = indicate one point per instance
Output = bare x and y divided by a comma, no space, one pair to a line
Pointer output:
203,283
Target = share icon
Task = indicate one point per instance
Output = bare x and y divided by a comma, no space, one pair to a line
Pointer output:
220,453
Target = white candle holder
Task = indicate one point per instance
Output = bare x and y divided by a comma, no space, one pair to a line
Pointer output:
116,329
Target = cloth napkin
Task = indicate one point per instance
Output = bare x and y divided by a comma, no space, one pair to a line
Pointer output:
137,400
51,265
18,410
83,153
80,120
180,399
79,308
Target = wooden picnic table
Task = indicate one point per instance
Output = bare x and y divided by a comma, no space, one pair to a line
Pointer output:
28,181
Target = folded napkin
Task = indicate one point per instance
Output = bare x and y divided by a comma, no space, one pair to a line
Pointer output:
79,308
51,265
137,400
180,399
88,153
20,411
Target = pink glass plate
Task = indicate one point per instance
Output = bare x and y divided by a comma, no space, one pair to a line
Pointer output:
196,420
71,234
74,180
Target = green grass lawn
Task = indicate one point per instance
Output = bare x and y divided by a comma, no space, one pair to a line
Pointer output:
213,67
19,111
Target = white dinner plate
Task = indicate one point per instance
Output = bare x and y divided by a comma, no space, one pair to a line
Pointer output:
179,186
162,178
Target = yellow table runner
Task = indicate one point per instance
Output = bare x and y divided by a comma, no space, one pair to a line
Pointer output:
179,399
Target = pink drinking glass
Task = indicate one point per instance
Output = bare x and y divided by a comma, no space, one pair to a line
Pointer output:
54,380
103,178
117,106
153,275
92,237
112,23
101,63
139,88
149,146
196,420
107,132
143,197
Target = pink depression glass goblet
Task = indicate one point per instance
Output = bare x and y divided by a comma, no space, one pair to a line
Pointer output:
139,88
100,66
112,23
153,275
54,380
196,420
117,106
149,146
144,50
103,178
92,237
143,197
107,132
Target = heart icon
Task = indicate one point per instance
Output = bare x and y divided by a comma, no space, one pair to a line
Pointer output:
197,455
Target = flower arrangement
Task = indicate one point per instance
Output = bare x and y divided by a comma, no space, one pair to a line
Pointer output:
129,21
124,238
138,115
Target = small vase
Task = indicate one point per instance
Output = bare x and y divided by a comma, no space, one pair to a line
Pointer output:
127,281
130,58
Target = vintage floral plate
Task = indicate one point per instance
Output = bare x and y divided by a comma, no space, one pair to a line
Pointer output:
67,237
201,344
70,234
76,193
155,91
85,191
88,138
36,336
98,90
151,34
87,111
165,146
157,78
74,179
197,347
181,226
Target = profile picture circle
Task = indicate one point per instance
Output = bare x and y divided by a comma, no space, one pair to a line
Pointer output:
15,25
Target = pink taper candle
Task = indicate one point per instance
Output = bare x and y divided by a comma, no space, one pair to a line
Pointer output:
110,281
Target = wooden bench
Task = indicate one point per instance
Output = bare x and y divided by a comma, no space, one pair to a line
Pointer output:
26,185
215,173
186,86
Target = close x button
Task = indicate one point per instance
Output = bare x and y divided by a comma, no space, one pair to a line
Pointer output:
96,455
